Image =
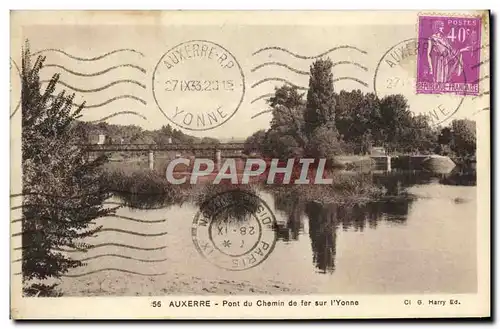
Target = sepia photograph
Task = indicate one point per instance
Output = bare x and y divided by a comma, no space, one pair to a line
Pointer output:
250,164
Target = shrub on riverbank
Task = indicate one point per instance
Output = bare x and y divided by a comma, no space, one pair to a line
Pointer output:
143,188
60,185
346,188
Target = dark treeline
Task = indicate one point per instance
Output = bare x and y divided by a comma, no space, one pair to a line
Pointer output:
324,123
87,132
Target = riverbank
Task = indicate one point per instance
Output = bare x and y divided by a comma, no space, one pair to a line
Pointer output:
139,185
110,283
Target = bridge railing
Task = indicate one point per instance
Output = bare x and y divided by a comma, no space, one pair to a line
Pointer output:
160,147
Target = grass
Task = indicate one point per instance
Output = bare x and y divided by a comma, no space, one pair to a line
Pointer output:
137,185
346,188
140,187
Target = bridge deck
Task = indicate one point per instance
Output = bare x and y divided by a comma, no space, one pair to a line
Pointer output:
165,147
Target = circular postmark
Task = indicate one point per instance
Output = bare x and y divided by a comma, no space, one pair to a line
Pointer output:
15,88
234,230
198,85
396,73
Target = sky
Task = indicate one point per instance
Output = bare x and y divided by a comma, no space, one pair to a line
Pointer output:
266,49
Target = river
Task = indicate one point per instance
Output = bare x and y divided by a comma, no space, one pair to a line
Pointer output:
424,242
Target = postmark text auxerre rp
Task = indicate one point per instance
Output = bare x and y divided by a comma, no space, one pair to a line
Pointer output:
192,50
208,72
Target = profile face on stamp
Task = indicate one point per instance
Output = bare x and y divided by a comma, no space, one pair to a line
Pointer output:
450,54
238,233
198,85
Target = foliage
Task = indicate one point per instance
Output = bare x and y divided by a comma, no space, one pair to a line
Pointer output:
132,134
324,144
253,144
210,140
285,138
320,107
143,188
345,188
464,137
61,188
362,121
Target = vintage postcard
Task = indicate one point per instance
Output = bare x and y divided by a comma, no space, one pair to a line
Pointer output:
250,165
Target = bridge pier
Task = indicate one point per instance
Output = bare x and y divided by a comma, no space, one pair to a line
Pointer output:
217,159
151,160
382,162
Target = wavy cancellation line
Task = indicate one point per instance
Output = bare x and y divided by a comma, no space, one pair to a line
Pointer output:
99,88
26,193
482,78
90,58
110,101
351,79
260,113
112,244
143,260
304,88
480,63
37,205
308,57
481,110
278,80
258,67
95,74
261,97
119,114
107,269
123,257
123,204
117,230
481,94
113,269
154,221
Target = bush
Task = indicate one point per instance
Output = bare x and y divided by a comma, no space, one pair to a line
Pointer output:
324,144
62,195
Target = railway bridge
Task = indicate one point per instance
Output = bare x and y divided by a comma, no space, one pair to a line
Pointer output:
216,149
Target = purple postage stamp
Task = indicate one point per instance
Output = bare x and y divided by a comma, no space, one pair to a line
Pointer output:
449,58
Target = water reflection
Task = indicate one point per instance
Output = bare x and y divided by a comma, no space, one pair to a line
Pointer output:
324,220
227,201
293,210
323,225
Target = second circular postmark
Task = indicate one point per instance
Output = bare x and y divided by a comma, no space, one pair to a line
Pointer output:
198,85
234,230
396,73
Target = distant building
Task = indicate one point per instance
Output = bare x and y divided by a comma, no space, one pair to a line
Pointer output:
97,139
102,139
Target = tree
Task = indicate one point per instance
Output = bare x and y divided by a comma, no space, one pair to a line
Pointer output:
281,145
320,106
324,144
445,136
61,187
464,137
354,119
210,140
285,138
288,113
255,142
